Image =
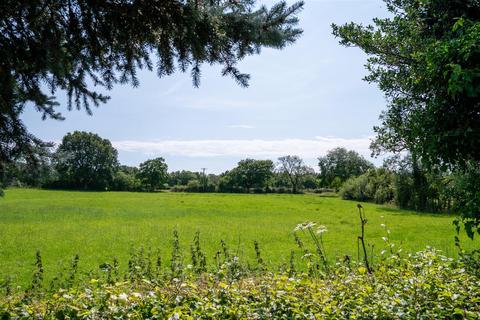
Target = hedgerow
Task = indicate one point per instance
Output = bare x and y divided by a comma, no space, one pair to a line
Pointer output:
425,285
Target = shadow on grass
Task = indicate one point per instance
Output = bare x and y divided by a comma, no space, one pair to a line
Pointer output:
409,212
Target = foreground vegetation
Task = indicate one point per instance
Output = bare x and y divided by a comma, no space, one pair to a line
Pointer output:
425,285
99,226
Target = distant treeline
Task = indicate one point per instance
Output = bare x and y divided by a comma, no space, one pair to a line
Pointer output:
85,161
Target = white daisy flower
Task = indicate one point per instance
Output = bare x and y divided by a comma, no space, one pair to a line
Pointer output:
321,229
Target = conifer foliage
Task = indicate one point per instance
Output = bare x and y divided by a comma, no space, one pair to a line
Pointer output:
47,46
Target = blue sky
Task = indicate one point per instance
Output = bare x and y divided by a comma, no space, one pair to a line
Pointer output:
304,100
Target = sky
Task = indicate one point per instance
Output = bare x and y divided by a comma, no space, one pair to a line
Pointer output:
303,100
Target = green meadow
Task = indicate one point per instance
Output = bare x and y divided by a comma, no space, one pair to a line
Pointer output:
99,226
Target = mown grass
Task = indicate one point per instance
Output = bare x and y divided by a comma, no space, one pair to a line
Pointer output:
102,225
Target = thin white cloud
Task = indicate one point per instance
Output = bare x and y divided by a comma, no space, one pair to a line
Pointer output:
240,126
307,148
213,104
216,104
174,88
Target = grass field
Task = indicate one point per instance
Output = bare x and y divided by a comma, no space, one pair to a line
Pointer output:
102,225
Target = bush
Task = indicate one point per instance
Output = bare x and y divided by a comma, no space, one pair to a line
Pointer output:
355,189
178,188
383,195
193,186
281,190
425,285
324,190
376,185
310,181
258,190
126,182
211,187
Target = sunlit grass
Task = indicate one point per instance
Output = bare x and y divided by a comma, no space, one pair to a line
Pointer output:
102,225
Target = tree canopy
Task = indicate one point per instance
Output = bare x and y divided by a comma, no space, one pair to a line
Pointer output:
250,173
153,173
426,59
294,169
341,164
74,46
85,161
182,177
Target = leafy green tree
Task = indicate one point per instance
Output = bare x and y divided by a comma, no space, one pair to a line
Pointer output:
213,181
74,46
465,192
280,180
153,173
21,171
181,178
250,173
341,164
294,169
132,171
85,161
310,181
126,179
425,57
225,183
194,186
418,187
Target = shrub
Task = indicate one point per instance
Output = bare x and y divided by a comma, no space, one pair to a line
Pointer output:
425,285
376,185
324,190
356,189
211,187
178,188
258,190
126,182
193,186
281,190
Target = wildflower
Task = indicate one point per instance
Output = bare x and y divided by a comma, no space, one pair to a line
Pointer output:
310,225
175,316
382,225
307,255
305,225
152,294
298,227
136,295
321,229
384,238
123,296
